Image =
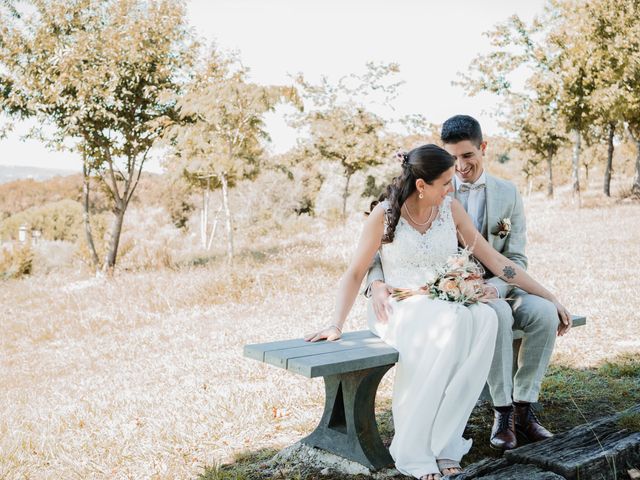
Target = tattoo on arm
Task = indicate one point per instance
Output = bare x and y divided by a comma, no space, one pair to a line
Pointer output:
509,272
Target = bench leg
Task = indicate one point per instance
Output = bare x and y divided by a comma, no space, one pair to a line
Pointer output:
348,427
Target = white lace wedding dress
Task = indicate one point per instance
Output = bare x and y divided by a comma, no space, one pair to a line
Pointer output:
445,350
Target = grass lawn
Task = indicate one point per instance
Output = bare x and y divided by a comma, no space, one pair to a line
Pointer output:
142,375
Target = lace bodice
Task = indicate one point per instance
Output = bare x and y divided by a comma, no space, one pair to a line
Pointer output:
410,260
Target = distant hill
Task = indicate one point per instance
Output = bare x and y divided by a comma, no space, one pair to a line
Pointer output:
9,173
38,187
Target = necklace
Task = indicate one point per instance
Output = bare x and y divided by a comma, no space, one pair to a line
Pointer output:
406,208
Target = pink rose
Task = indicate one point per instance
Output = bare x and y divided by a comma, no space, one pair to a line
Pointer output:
449,285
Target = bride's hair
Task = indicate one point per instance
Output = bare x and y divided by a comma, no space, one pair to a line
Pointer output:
427,162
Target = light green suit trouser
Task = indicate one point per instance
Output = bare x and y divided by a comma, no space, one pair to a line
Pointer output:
538,318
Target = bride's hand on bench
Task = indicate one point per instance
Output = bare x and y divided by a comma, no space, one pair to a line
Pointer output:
330,333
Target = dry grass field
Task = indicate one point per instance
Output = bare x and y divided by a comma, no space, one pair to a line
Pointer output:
142,376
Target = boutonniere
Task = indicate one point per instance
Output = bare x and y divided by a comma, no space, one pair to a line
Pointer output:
503,228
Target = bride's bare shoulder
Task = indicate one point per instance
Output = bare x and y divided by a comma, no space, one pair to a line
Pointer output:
379,211
457,209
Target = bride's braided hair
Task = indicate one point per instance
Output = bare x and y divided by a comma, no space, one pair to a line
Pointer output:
427,162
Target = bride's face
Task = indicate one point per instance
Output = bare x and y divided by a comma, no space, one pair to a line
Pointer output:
436,192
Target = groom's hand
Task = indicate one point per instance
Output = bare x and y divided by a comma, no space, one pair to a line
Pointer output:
380,293
565,319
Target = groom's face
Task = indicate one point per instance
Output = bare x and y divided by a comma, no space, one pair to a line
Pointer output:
469,159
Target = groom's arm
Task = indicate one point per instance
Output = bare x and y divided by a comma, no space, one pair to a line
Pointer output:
375,273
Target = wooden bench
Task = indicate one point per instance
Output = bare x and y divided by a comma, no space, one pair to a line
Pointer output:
352,368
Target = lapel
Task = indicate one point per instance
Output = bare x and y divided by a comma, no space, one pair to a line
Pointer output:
491,209
454,194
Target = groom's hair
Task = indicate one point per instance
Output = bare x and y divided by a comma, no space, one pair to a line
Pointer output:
460,128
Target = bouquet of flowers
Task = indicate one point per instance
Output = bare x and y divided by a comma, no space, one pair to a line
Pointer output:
460,279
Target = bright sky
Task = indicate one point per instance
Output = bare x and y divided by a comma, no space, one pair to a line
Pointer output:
431,41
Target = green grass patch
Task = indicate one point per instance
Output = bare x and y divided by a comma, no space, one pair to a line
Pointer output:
625,365
630,421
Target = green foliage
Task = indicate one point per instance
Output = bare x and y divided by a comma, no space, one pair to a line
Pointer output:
582,78
178,203
56,220
372,189
221,125
105,75
17,262
341,129
503,158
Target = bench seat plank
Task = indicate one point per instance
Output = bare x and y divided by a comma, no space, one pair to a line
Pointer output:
257,351
280,358
374,355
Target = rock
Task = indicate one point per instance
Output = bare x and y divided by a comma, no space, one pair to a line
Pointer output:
309,457
521,472
600,449
501,469
482,467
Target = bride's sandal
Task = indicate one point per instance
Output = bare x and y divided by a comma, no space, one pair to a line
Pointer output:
448,467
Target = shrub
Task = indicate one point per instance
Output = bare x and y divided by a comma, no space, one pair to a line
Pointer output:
16,262
57,221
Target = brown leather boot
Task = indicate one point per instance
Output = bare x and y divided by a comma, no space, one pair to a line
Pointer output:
528,425
503,433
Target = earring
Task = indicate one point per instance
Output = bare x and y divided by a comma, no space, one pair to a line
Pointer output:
421,196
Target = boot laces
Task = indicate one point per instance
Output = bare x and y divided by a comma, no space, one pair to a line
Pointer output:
531,415
505,421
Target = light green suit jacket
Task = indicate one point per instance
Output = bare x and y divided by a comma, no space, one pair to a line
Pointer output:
502,201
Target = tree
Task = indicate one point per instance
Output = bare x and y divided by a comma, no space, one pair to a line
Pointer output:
607,32
104,74
341,128
218,138
533,114
539,131
625,52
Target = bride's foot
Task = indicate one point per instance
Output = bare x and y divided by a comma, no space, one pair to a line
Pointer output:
448,467
431,476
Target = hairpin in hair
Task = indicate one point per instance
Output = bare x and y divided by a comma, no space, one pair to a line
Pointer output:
403,157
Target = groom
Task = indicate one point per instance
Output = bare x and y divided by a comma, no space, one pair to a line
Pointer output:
496,209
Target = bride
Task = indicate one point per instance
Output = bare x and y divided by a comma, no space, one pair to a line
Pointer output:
445,348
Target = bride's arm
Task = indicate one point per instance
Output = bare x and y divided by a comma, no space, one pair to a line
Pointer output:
500,265
349,285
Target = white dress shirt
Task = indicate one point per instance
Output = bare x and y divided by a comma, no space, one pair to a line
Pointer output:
474,201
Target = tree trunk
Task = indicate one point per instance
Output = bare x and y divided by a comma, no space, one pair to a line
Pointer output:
213,228
86,216
608,168
204,216
550,173
575,173
635,189
345,195
114,240
586,175
227,211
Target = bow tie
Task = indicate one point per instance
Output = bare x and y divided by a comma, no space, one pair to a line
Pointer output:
465,187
